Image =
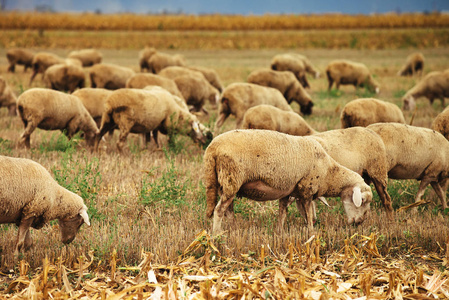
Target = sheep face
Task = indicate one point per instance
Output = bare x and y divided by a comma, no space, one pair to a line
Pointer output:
69,226
307,108
408,103
356,202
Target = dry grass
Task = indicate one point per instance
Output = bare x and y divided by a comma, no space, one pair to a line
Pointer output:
117,185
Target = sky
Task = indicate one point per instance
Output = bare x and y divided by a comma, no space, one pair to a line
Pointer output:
243,7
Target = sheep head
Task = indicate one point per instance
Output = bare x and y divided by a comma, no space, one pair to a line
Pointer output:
356,202
69,226
408,102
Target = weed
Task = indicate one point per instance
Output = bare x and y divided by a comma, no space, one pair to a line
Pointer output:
399,93
60,142
6,146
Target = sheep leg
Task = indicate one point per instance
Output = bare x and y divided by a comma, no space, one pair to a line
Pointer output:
155,133
24,139
384,197
122,139
422,188
306,208
284,203
219,212
22,239
441,194
12,68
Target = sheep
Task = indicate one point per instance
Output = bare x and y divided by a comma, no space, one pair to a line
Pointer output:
42,61
19,56
145,111
8,98
175,71
433,85
195,90
140,81
416,153
109,76
266,165
291,63
348,72
287,84
414,65
310,68
238,97
64,77
159,61
366,111
52,110
269,117
441,123
32,198
93,100
144,56
88,57
211,75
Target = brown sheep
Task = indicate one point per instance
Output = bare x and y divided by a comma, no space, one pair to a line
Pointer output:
238,97
291,63
196,90
42,61
64,77
441,123
19,56
211,75
88,57
287,84
348,72
52,110
414,65
7,97
269,117
175,71
140,81
144,56
109,76
310,68
433,85
366,111
93,100
159,61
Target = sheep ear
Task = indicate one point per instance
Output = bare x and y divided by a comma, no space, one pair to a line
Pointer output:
322,199
85,216
196,127
357,196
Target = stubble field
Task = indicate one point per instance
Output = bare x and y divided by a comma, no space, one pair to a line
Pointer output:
151,201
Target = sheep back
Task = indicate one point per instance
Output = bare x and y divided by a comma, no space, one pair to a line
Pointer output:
64,77
88,57
211,75
140,81
109,76
159,61
441,123
93,100
292,63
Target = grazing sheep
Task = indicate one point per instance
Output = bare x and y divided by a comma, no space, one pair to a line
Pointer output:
146,111
195,90
211,75
109,76
433,85
144,56
414,65
42,61
19,56
140,81
159,61
175,71
32,198
287,84
238,97
416,153
441,123
52,110
348,72
366,111
7,97
93,100
310,68
88,57
291,63
266,165
269,117
64,77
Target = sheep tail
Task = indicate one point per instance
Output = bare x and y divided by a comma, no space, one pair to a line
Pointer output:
211,185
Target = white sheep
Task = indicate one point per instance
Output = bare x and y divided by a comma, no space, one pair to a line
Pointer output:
64,77
141,80
433,85
441,123
266,165
175,71
19,56
32,198
269,117
144,56
42,61
52,110
287,84
88,57
145,111
291,63
349,72
238,97
211,75
159,61
366,111
416,153
93,100
413,65
8,98
109,76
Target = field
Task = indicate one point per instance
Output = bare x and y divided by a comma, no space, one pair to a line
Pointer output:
147,206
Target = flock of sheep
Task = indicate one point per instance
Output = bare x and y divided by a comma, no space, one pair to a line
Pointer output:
273,153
